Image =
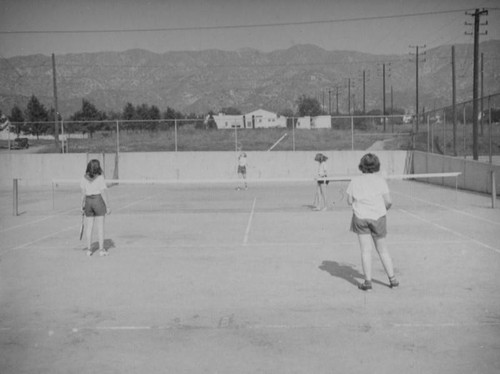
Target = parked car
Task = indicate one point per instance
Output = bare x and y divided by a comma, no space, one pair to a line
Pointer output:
20,143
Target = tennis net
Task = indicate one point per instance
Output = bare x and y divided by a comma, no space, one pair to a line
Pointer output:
155,196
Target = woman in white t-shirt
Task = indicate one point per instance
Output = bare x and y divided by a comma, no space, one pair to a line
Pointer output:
94,204
369,197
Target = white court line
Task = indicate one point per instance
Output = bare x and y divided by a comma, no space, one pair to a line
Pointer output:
445,324
447,208
452,231
249,225
37,221
74,227
131,328
328,244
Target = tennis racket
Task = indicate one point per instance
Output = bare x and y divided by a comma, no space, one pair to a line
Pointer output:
82,226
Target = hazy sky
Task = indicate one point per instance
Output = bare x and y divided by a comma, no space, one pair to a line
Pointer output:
373,26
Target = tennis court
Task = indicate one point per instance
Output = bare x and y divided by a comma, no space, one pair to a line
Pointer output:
202,278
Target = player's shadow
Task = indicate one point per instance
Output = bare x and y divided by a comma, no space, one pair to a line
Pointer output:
345,271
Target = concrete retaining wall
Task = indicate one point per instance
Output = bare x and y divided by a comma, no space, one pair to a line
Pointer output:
41,169
476,176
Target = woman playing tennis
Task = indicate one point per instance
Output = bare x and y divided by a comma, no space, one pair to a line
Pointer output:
94,204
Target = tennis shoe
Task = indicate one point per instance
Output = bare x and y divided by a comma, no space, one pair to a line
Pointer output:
393,282
103,253
365,286
88,252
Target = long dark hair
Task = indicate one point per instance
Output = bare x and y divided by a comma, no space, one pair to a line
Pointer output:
93,169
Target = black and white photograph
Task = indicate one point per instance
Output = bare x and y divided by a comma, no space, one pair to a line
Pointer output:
249,186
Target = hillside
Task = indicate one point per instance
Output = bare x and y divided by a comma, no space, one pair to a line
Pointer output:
199,81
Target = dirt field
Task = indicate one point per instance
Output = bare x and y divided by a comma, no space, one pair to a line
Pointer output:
206,279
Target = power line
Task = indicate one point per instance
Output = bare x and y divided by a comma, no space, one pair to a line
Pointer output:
197,28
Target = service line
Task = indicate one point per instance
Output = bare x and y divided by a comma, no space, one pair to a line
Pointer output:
249,224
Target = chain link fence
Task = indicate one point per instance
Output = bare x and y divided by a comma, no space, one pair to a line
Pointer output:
450,131
178,135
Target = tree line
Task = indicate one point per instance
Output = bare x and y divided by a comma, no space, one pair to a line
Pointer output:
37,120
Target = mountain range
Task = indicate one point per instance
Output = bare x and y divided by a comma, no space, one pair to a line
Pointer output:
247,79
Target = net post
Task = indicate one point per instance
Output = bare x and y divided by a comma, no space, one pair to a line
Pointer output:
117,138
175,133
15,197
493,190
352,133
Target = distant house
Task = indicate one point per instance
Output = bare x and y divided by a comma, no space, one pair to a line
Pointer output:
321,122
263,119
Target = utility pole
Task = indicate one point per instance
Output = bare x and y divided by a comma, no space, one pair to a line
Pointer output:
392,109
392,100
364,96
383,93
416,84
56,114
454,100
330,102
337,97
482,92
477,15
349,96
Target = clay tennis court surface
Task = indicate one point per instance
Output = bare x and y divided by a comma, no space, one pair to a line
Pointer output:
206,279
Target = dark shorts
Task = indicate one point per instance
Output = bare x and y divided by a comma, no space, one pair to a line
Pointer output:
375,228
323,182
94,206
242,169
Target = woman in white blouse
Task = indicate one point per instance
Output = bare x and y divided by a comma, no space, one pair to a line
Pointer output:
94,204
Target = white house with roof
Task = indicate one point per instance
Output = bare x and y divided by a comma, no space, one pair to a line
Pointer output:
261,118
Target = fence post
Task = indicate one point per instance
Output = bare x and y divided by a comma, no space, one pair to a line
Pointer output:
117,137
235,136
15,197
490,132
352,133
493,190
175,132
444,133
428,134
465,149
